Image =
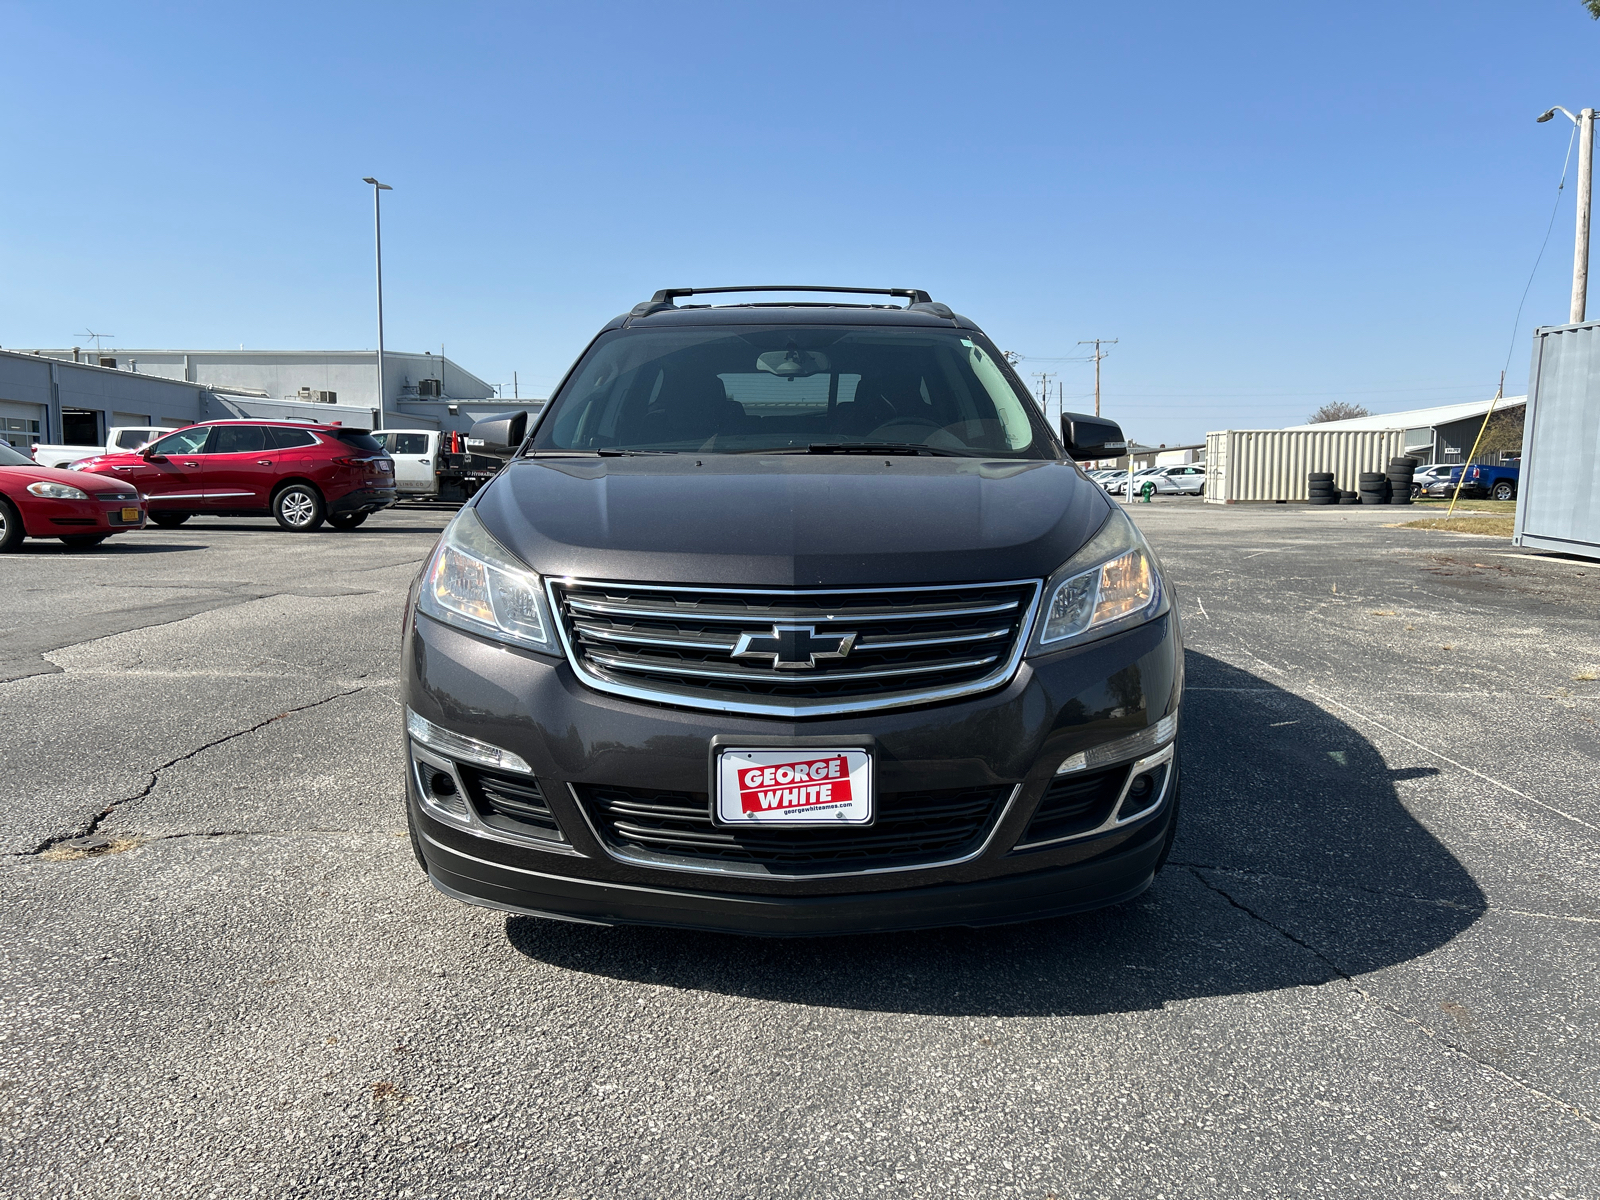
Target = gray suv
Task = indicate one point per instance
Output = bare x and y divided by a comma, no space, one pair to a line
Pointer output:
792,617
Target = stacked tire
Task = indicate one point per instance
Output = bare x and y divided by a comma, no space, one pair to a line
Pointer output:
1319,485
1349,497
1401,472
1373,487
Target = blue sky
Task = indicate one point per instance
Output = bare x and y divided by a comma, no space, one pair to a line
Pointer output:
1269,204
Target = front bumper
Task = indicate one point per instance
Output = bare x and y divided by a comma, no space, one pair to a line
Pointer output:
363,500
70,518
1011,740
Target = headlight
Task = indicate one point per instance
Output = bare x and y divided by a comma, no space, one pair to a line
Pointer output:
473,582
1111,584
56,491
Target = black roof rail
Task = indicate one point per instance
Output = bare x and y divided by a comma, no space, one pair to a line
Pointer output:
664,298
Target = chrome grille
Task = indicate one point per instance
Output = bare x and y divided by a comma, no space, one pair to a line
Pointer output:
794,652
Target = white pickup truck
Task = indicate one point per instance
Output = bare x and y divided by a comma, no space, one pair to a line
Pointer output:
120,439
428,463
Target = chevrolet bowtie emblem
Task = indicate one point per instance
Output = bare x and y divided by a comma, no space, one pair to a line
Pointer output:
794,647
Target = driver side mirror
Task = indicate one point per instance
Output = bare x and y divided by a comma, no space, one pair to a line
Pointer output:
1092,437
149,455
500,436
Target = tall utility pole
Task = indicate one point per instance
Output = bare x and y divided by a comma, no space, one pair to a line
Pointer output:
1096,343
377,237
1580,251
1044,392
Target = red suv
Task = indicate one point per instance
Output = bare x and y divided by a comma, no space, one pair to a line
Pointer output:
300,474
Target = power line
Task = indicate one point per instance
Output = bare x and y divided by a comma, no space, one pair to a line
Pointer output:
1554,209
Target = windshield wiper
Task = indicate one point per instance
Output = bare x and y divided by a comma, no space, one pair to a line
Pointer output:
911,448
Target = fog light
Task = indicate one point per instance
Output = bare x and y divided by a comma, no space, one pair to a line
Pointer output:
1137,745
1145,790
441,784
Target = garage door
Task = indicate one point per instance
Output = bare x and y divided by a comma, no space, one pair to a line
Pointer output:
21,424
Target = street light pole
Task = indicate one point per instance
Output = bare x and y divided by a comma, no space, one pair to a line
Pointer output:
1580,251
377,237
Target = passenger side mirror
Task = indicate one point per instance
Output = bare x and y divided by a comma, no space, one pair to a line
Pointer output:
1092,437
499,436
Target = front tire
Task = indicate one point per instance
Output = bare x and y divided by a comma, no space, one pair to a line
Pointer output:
11,531
82,541
169,520
346,520
1504,491
298,508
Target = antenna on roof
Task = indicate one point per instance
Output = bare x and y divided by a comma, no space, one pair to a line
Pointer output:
89,333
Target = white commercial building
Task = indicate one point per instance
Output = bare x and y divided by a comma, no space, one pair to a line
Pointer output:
421,391
1442,434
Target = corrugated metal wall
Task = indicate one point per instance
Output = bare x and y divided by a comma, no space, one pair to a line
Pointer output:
1272,464
1558,497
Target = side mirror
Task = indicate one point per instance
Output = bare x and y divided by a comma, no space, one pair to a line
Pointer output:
1092,437
500,436
149,455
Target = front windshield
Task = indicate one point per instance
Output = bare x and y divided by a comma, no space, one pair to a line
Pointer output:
11,458
746,389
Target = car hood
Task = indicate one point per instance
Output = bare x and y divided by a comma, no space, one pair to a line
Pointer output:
95,485
792,520
95,463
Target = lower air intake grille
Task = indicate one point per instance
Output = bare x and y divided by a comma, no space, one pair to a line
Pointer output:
1074,804
511,803
912,828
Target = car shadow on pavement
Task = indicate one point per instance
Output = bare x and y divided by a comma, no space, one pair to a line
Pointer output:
1295,864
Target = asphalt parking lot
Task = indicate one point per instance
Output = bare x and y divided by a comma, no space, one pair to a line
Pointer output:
1369,970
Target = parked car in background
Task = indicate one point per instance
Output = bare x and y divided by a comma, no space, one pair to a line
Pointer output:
1135,481
432,464
118,439
1480,481
1425,477
298,473
1187,480
42,502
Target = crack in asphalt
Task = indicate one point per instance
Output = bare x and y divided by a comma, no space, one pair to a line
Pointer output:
1385,892
1376,1002
93,823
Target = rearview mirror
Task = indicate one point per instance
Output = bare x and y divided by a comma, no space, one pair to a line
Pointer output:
1092,437
499,436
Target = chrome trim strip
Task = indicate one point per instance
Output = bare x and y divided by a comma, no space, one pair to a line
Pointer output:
983,635
635,663
754,871
679,642
1002,675
474,823
612,608
1116,820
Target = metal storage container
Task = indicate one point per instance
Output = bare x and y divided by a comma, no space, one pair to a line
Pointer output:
1558,507
1272,464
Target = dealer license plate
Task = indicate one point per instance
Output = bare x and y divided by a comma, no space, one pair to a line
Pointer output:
794,787
130,515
